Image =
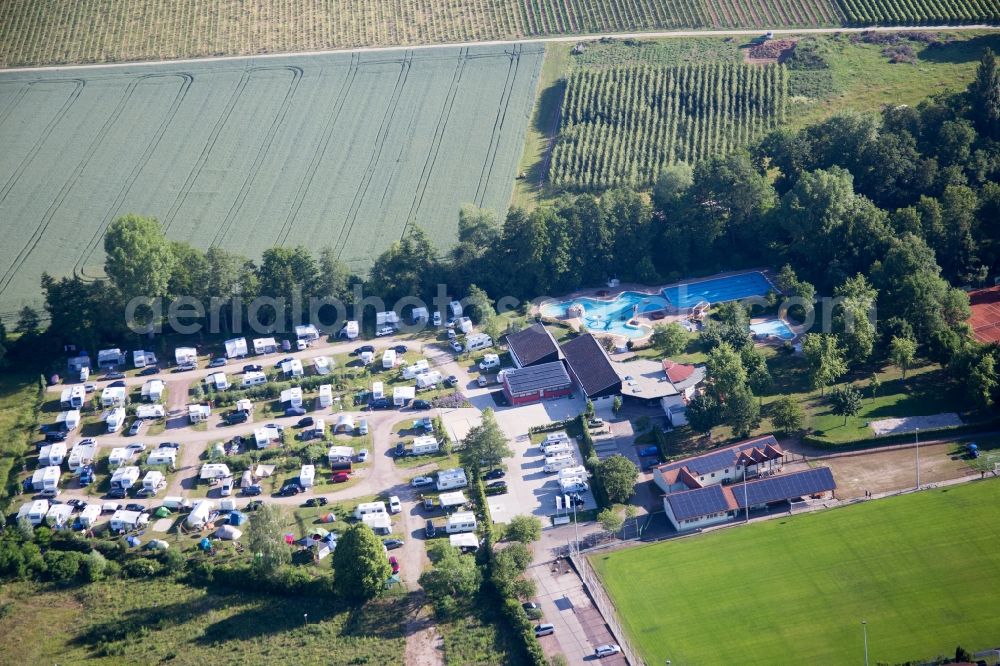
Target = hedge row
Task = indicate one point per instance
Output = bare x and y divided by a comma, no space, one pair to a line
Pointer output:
590,461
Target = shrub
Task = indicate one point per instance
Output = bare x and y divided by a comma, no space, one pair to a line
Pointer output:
141,567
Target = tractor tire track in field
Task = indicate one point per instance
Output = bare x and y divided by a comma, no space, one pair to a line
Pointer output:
508,89
380,139
206,150
14,101
319,153
186,80
262,151
64,191
15,176
439,132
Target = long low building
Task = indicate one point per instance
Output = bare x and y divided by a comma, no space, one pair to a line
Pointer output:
536,383
711,505
724,465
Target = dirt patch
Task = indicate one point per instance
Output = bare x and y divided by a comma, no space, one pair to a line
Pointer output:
771,51
900,426
424,645
888,471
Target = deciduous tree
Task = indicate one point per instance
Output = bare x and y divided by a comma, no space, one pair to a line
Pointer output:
360,565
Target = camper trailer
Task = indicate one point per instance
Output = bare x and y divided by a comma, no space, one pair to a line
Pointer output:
127,521
68,420
389,359
554,449
125,477
368,508
403,395
73,397
555,464
429,380
236,348
322,365
455,309
292,397
119,456
463,521
152,391
350,330
424,445
52,454
378,392
577,471
307,476
49,481
153,482
36,512
448,479
253,378
81,454
142,358
416,368
218,381
339,453
162,456
59,515
325,398
115,419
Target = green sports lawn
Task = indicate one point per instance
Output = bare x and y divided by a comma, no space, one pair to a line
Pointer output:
922,569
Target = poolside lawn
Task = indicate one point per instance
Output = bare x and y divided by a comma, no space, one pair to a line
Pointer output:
922,569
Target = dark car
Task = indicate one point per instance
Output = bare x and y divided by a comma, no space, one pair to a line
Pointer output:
381,403
392,544
114,374
116,493
169,445
254,505
429,530
451,381
55,436
77,504
420,404
493,474
496,487
400,450
305,422
295,411
150,370
253,367
361,350
530,606
315,501
649,451
576,499
290,489
652,464
400,349
217,362
287,359
135,507
118,384
237,416
251,491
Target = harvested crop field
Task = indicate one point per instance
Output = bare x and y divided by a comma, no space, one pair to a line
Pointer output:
340,150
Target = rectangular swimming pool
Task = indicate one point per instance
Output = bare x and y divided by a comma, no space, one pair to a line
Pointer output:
718,290
773,328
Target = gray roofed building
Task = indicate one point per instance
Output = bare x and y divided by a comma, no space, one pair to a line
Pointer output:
590,367
532,346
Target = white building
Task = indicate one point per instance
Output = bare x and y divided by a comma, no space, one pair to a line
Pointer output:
389,359
306,332
125,477
463,521
142,358
292,368
292,397
236,348
119,456
416,368
110,358
199,413
115,419
452,478
307,476
152,390
162,456
218,381
51,454
403,395
325,398
114,396
185,355
322,365
264,346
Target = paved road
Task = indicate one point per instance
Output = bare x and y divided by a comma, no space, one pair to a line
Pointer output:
656,34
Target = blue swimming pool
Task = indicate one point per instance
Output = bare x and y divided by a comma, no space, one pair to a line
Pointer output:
772,327
718,290
610,316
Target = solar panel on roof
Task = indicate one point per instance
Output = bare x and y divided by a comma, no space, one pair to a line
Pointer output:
695,503
787,486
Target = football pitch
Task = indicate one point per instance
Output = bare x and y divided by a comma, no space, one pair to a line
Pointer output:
923,570
345,150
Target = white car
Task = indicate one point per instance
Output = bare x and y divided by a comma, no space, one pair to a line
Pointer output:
489,362
606,650
544,630
136,446
437,319
385,330
394,505
456,346
363,455
421,481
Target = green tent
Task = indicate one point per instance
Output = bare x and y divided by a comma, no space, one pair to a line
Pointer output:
162,512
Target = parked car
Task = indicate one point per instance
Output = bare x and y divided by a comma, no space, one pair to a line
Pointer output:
436,319
400,450
135,507
381,403
116,493
493,474
652,464
363,455
170,445
295,411
136,427
384,331
394,563
254,505
400,349
392,544
148,370
89,388
362,349
606,650
496,487
78,505
237,416
117,384
394,505
315,501
530,605
649,451
429,530
290,489
305,422
253,367
483,381
252,491
451,381
136,446
217,362
456,346
114,374
362,426
282,361
421,481
55,436
184,367
576,499
596,422
340,477
544,630
420,404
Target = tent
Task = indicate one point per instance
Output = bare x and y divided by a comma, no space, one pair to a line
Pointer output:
157,544
162,512
133,541
205,544
319,533
289,539
237,518
228,532
328,518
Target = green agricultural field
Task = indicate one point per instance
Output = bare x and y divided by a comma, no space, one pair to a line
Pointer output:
340,150
922,569
36,32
